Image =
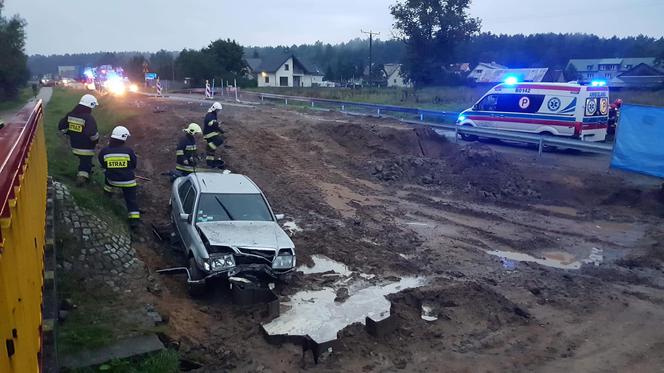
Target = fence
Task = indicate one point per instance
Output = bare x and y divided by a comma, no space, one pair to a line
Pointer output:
444,120
23,178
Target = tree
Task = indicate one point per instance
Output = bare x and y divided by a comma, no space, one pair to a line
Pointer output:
571,73
134,68
163,64
108,59
329,75
432,31
13,61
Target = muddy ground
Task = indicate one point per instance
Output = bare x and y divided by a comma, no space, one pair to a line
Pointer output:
390,200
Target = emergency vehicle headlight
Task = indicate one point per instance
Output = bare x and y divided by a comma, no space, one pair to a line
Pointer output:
461,118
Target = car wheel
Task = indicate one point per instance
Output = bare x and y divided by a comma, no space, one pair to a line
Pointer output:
195,290
470,138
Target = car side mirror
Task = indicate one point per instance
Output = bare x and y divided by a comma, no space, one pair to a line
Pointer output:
185,217
475,107
280,216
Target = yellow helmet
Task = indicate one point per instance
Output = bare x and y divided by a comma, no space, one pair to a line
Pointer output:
193,129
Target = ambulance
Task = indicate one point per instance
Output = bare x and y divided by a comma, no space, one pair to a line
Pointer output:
553,109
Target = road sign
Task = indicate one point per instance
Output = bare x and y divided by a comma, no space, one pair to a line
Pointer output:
150,76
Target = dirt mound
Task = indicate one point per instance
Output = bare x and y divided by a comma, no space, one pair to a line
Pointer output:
382,141
466,303
474,169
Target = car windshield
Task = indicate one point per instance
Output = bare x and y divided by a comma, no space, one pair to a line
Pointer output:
229,207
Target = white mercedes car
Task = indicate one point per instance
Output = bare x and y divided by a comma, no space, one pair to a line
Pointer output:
227,229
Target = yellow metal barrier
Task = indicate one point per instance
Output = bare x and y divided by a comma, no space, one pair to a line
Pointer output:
23,178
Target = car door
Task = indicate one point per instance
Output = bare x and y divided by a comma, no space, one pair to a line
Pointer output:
486,109
177,202
188,227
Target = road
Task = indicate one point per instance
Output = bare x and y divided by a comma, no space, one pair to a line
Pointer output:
44,94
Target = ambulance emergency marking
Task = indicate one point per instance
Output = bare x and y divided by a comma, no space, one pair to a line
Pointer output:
560,109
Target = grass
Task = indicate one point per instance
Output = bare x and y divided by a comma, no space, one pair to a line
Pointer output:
62,164
24,95
453,99
166,361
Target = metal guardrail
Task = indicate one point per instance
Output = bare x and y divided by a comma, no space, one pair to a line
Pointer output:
541,141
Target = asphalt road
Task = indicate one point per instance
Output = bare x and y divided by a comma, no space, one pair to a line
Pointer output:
45,94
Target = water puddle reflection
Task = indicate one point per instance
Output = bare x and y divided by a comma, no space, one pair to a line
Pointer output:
555,259
316,313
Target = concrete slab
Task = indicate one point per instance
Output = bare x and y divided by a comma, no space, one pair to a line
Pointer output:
127,348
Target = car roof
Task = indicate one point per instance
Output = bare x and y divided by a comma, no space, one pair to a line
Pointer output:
216,182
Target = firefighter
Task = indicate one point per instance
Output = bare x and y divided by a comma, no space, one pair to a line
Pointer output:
185,153
119,162
614,116
81,128
213,135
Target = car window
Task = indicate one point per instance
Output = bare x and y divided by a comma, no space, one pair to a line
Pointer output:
183,189
228,207
488,103
519,103
188,205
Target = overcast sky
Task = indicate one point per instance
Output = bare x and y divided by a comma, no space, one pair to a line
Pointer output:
69,26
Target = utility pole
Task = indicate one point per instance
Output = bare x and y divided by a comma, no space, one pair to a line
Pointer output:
371,34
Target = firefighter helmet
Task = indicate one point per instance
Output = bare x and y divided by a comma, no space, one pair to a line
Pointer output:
216,106
193,129
120,133
89,101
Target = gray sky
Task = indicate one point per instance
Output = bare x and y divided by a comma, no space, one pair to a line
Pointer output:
69,26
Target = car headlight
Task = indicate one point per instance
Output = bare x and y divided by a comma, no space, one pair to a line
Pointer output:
284,261
219,263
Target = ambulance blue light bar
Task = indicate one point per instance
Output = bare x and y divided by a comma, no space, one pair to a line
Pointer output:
511,80
598,83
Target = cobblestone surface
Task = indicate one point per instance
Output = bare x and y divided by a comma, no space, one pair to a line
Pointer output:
105,252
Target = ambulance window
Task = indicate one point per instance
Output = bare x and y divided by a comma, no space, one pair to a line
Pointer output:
489,103
516,103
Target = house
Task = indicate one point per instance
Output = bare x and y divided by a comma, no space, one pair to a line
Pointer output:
642,76
608,69
482,68
394,76
284,70
495,76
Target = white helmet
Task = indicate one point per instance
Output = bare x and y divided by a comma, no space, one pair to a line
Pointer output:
214,107
193,129
89,101
120,133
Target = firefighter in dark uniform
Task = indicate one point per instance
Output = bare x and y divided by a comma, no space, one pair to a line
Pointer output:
185,153
81,128
213,135
119,162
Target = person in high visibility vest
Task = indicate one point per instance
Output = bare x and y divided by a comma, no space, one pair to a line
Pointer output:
81,127
185,153
119,162
213,135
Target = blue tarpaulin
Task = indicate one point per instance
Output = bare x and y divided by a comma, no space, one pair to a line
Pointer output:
639,143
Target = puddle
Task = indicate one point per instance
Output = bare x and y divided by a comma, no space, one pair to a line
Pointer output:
324,264
291,227
554,259
428,313
316,314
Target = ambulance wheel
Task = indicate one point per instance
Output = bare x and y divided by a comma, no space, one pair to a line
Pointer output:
469,138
